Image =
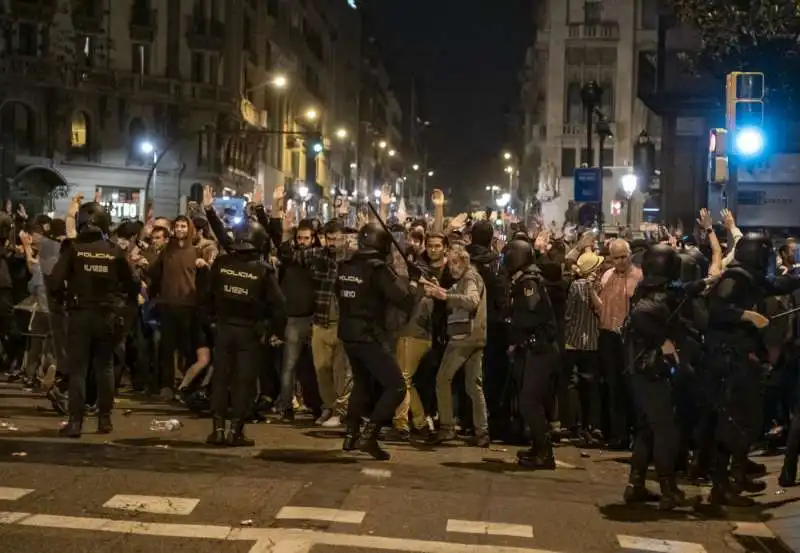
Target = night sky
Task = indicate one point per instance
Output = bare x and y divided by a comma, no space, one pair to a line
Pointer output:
465,56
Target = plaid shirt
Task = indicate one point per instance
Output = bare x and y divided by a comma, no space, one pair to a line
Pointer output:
323,265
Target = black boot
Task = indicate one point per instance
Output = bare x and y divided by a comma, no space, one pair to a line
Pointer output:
104,425
788,476
671,496
723,495
544,459
351,437
217,436
636,491
236,437
72,429
742,482
369,443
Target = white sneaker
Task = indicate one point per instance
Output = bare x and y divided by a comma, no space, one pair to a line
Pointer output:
333,422
326,414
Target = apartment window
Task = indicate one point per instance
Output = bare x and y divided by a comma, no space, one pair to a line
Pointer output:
122,203
86,50
199,67
18,120
607,157
213,68
295,164
140,58
27,39
575,111
204,147
567,162
79,131
592,11
274,8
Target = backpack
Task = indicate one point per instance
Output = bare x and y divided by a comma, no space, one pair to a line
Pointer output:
496,282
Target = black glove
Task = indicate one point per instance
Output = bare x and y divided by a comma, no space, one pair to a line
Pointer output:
415,272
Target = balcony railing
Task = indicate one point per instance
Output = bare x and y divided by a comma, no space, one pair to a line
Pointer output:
599,31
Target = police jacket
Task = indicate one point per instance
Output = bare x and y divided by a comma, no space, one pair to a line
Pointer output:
94,273
365,285
242,291
531,315
652,320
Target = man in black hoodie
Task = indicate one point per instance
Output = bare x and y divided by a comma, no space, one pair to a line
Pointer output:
495,278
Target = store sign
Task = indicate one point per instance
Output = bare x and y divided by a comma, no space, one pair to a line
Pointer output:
120,210
768,204
249,112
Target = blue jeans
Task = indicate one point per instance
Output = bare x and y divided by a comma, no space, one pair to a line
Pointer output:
298,336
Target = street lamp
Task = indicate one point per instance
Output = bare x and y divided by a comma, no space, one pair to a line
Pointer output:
147,147
415,167
392,153
382,144
630,183
341,134
377,194
311,114
280,81
303,192
503,200
507,156
430,173
353,165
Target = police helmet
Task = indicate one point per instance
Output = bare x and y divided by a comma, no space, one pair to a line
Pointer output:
93,216
249,236
373,236
754,251
660,263
694,264
518,255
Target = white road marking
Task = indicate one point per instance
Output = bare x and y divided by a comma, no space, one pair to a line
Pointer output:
12,494
658,546
315,513
377,473
155,504
563,465
276,536
489,528
287,546
755,529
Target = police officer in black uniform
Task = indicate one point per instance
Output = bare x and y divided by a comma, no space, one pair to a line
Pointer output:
534,346
95,280
366,285
736,356
243,296
652,336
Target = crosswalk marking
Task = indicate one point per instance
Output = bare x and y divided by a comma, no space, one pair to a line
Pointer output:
489,528
755,529
11,518
377,473
288,546
154,504
316,513
658,546
274,536
12,494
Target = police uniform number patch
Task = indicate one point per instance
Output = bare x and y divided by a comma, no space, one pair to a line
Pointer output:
238,285
95,264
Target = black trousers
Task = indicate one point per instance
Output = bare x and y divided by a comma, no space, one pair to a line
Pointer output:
237,350
178,333
656,436
92,336
368,361
532,373
617,401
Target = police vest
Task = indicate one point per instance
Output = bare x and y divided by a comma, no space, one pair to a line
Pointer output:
360,303
95,278
239,290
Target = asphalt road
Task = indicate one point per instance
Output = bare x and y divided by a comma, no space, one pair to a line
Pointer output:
295,492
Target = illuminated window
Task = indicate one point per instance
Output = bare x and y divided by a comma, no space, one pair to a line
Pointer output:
79,136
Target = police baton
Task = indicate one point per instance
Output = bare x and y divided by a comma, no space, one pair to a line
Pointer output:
395,242
786,313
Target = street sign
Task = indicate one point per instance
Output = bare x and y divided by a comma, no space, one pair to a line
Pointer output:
588,184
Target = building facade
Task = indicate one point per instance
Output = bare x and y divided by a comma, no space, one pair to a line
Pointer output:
578,41
148,99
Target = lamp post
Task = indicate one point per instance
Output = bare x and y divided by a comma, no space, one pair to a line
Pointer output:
591,94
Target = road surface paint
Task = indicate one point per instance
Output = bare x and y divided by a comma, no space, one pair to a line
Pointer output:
264,537
563,465
316,513
12,494
154,504
489,528
754,529
658,546
377,473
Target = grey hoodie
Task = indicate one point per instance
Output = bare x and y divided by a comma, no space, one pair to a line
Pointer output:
466,299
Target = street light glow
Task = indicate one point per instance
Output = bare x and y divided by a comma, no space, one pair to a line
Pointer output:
509,169
392,153
382,144
507,156
630,183
377,194
311,114
303,191
430,173
280,81
147,147
502,201
341,134
415,167
353,165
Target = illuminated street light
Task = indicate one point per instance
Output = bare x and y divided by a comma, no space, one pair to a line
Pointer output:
502,201
507,156
430,173
630,183
509,169
392,153
382,144
303,191
311,114
353,165
147,147
377,194
341,134
415,167
280,81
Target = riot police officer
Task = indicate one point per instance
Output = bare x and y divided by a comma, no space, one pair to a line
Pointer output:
534,346
96,276
365,285
243,296
652,335
735,355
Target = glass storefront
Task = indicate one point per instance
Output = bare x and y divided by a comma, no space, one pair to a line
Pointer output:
122,203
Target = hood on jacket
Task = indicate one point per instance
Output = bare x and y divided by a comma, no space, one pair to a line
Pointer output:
481,254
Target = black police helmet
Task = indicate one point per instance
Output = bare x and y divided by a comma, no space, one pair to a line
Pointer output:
93,216
754,251
249,236
372,236
660,263
518,255
694,264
